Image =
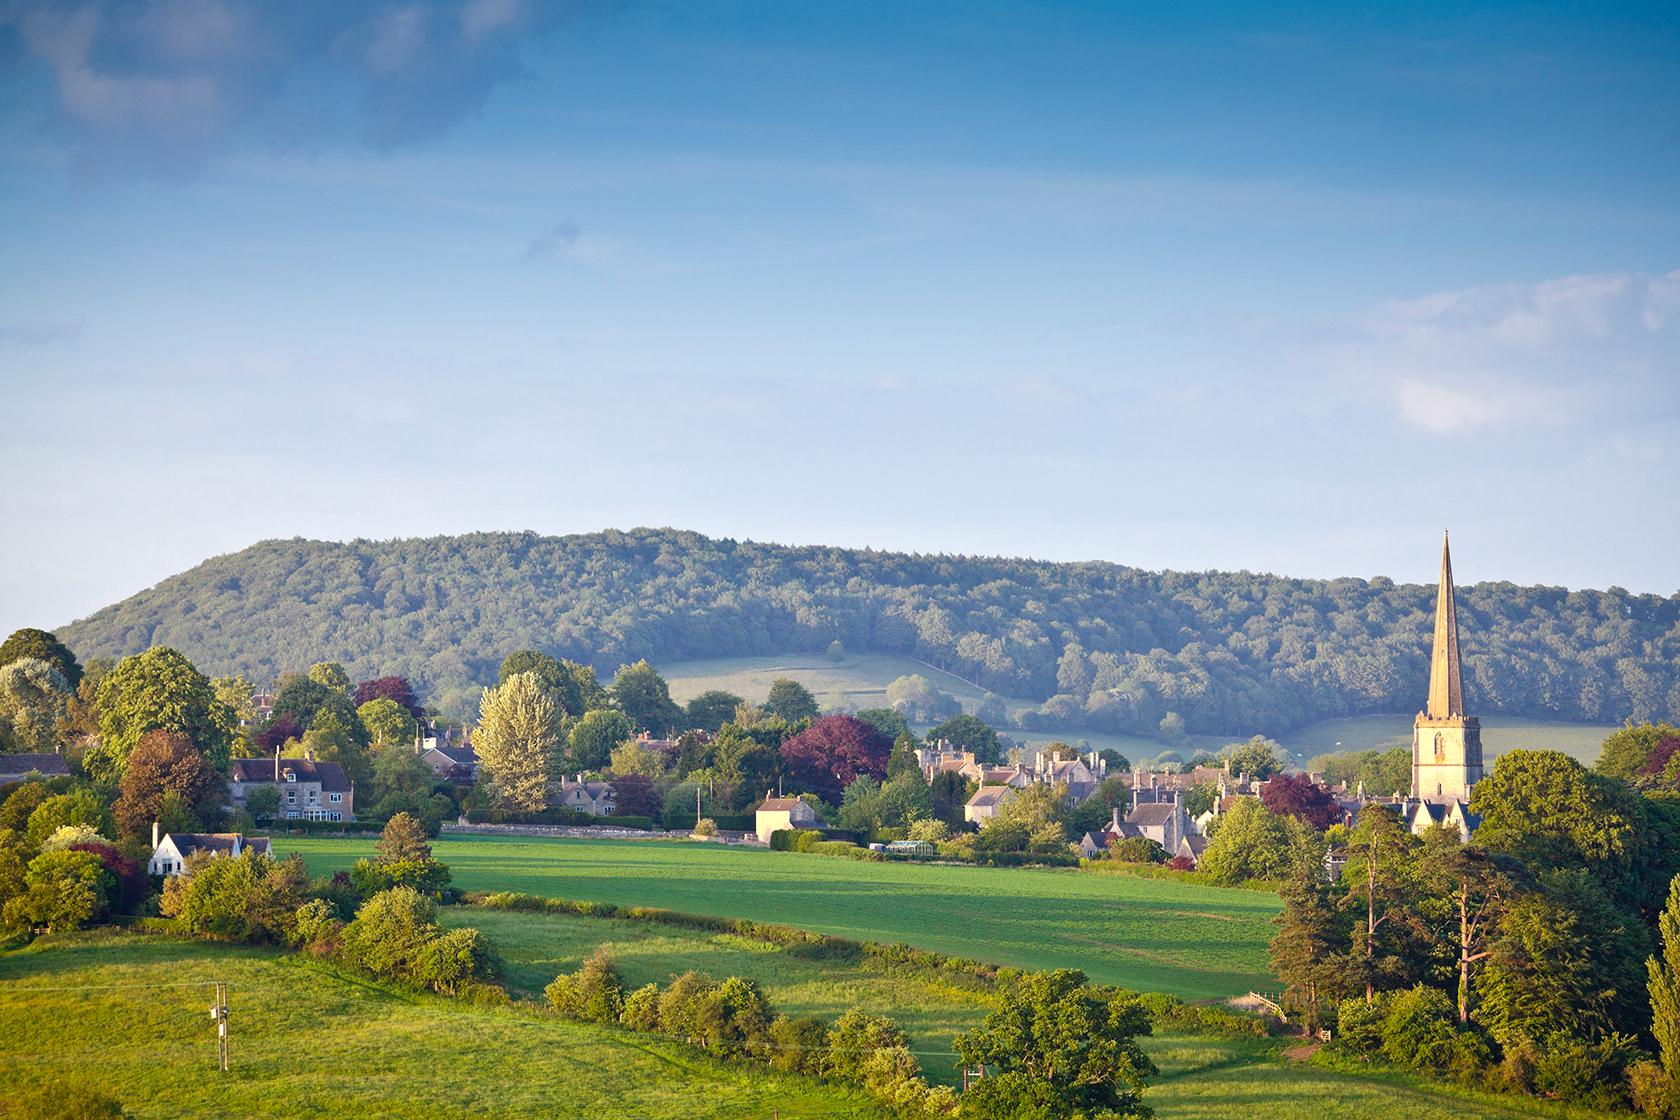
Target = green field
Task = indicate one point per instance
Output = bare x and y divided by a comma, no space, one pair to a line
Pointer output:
536,947
863,678
1499,734
108,1010
1201,1078
308,1042
1153,935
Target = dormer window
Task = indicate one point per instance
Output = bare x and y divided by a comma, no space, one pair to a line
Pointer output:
290,774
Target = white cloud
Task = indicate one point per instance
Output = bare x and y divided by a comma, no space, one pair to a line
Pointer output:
1552,352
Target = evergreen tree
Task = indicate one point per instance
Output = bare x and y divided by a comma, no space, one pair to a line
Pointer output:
903,757
1380,880
1309,951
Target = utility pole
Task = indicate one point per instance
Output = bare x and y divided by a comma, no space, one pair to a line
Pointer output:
219,1016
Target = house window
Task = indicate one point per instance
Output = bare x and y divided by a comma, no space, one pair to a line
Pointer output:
291,775
291,797
335,816
335,798
314,796
291,814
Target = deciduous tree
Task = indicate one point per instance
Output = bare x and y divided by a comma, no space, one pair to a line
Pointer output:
166,762
517,741
1062,1048
790,700
41,645
713,708
827,756
33,696
158,690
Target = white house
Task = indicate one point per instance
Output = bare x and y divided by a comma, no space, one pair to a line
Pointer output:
169,854
777,814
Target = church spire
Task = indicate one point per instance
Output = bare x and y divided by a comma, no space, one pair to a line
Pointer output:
1446,689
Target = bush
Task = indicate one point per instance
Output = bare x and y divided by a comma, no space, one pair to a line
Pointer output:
705,826
252,898
316,928
1589,1073
1136,849
833,848
641,1009
592,994
61,891
428,876
680,1005
1418,1029
1653,1090
788,839
131,881
1359,1026
396,937
797,1045
961,846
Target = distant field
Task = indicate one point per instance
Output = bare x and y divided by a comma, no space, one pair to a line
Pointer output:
1153,935
1499,734
308,1042
1201,1078
862,678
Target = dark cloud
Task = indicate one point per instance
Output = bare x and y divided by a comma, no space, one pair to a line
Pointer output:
158,87
553,243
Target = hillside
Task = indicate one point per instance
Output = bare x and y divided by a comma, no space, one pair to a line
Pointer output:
1108,647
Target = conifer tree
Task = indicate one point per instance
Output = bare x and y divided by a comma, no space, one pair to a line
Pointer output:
1663,983
1308,953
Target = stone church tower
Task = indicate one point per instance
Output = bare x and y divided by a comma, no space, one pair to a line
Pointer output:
1446,743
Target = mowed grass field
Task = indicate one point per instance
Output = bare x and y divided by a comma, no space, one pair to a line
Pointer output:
106,1010
1201,1078
1152,935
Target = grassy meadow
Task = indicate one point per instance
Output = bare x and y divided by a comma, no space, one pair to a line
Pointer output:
309,1042
1201,1078
1194,941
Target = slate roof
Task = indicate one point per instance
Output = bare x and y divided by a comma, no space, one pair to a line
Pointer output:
329,774
1196,844
1158,813
47,765
989,795
218,843
777,804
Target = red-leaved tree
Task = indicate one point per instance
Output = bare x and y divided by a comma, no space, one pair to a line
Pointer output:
1298,796
824,758
395,689
131,880
165,762
635,796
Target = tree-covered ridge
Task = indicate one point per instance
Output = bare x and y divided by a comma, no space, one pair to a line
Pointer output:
1105,646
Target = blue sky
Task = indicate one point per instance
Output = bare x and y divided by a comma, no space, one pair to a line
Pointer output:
1269,286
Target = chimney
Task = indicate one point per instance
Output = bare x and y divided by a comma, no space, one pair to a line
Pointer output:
155,840
277,764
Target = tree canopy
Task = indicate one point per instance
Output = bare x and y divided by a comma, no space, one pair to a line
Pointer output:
1229,652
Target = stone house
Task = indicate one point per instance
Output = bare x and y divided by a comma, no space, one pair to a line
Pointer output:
985,803
778,814
594,798
309,790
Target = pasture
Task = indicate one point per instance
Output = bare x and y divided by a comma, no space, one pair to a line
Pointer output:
106,1010
1193,941
1201,1078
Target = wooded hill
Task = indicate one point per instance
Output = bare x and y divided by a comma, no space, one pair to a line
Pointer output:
1103,646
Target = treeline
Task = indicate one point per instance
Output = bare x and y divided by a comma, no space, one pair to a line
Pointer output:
1095,645
1540,956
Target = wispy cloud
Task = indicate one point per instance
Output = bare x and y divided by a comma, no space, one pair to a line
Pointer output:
19,335
554,242
160,87
1549,352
